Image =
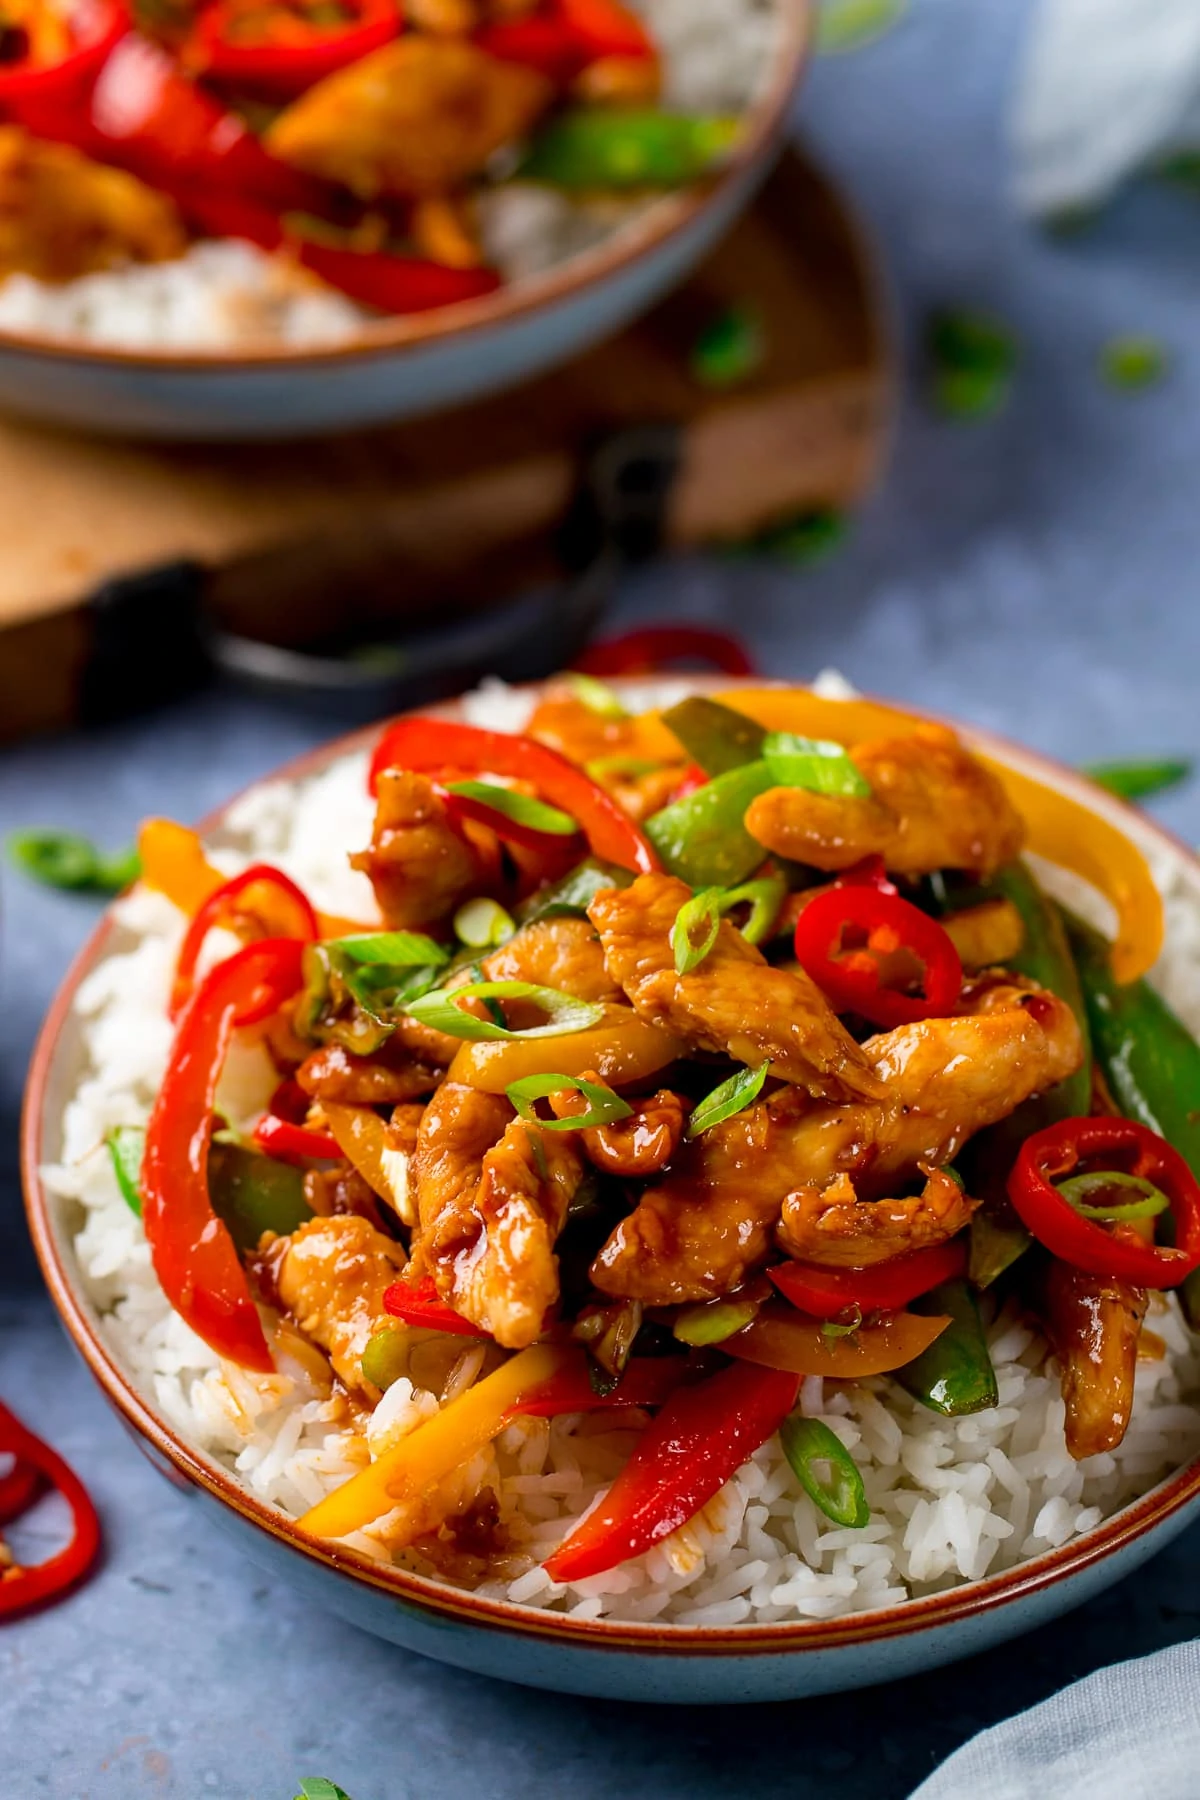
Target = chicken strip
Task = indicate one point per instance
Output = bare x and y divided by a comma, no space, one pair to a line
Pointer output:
385,1079
492,1197
832,1226
421,116
330,1276
695,1236
1093,1323
417,862
562,953
932,806
62,215
734,1001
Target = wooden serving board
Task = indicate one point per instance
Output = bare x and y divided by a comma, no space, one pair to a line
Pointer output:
457,511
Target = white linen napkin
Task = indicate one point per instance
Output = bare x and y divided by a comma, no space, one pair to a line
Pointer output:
1131,1732
1106,86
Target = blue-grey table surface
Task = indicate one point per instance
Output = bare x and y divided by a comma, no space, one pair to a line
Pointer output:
1036,572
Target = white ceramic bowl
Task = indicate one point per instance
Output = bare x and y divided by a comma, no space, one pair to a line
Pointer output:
402,367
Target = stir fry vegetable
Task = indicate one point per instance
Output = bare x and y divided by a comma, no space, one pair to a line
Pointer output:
23,1587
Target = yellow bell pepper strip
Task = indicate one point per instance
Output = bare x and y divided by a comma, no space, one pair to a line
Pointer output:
785,1340
174,863
362,1136
1059,828
435,1449
623,1047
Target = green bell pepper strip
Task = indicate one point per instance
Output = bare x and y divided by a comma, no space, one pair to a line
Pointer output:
643,148
252,1194
702,837
997,1236
955,1375
716,737
1148,1057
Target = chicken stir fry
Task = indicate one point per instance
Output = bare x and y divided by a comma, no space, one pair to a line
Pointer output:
582,1127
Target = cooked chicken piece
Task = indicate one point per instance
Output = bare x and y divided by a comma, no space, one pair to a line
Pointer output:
446,231
442,18
734,1001
420,116
1092,1322
696,1235
641,1145
343,1190
984,935
932,806
562,953
62,215
492,1197
385,1079
831,1225
330,1275
425,1043
418,864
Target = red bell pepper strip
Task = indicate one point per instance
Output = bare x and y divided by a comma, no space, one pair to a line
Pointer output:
605,28
192,1252
647,1381
546,44
23,1587
1077,1146
702,1436
433,746
853,979
282,49
234,900
419,1303
148,117
658,647
294,1143
884,1287
37,94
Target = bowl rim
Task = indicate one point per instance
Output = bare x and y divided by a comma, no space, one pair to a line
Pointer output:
189,1467
520,301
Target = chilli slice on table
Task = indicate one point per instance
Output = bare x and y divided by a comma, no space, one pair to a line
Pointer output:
743,1079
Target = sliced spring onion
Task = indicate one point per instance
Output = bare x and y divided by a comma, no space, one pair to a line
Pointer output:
839,1328
1149,1201
605,768
729,1098
385,1358
1138,780
522,809
851,24
973,357
808,1444
700,1325
315,1787
1133,362
62,860
729,349
597,696
695,929
572,896
441,1010
764,898
605,1108
126,1145
391,949
482,924
822,768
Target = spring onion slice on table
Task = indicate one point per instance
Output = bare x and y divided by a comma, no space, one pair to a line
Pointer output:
687,1060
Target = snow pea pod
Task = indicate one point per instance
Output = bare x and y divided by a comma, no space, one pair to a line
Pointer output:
715,736
702,837
955,1374
252,1194
644,148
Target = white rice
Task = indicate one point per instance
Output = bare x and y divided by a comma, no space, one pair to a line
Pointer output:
222,293
951,1500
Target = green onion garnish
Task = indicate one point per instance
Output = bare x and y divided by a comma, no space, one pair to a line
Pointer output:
1133,362
729,1098
843,1327
441,1010
973,358
700,1325
596,695
126,1146
381,970
1138,780
1150,1202
729,349
812,763
60,859
522,809
695,929
390,949
317,1788
850,24
385,1358
605,1108
764,898
808,1444
603,768
483,924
